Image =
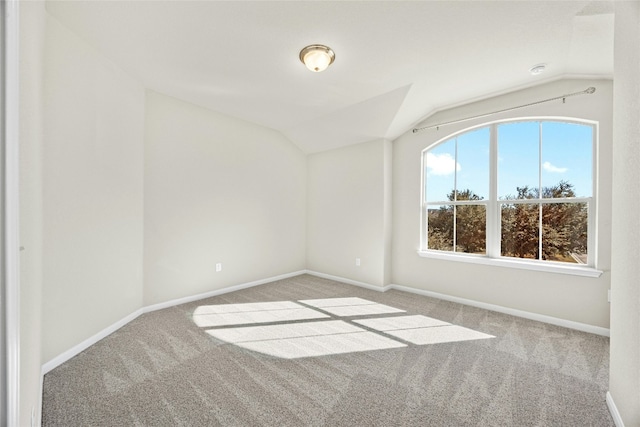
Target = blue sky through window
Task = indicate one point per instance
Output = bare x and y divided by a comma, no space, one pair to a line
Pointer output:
473,153
566,155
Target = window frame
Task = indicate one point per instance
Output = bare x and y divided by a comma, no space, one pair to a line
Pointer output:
493,205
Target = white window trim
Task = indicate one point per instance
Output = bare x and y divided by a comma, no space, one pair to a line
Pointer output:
522,264
493,256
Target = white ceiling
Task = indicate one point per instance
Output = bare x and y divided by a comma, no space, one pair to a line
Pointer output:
396,62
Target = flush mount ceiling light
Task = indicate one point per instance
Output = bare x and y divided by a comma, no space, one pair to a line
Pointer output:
317,57
537,69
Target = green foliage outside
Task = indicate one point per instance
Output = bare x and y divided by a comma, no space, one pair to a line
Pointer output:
564,225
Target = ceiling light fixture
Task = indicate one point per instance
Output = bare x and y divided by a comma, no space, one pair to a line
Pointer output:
317,57
537,69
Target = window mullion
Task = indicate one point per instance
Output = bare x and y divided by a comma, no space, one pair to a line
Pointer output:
593,201
423,204
591,238
540,190
455,195
493,211
540,231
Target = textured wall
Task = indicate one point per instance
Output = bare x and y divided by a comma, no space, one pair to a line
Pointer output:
217,189
92,192
346,212
625,268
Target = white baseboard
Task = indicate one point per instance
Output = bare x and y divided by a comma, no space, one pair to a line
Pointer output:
617,419
511,311
597,330
40,395
73,351
217,292
349,281
63,357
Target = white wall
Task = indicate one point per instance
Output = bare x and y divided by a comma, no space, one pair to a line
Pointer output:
625,268
92,192
32,36
346,194
217,189
573,298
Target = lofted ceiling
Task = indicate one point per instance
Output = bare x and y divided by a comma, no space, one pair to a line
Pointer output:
396,62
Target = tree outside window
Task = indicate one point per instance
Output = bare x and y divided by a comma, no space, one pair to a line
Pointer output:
540,202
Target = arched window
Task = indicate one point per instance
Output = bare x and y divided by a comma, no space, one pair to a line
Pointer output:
518,190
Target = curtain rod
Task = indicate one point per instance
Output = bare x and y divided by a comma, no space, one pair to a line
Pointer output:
587,91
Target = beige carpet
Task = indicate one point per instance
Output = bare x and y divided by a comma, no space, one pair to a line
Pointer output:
307,351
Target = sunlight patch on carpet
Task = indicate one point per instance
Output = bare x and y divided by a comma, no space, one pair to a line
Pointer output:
361,310
401,322
278,332
336,302
324,345
307,334
438,335
248,317
240,308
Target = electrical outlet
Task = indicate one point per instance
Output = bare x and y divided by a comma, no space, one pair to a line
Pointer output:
218,267
357,262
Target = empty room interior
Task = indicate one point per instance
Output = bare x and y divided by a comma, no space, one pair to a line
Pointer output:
314,213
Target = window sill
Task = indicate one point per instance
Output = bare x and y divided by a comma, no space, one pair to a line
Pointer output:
547,267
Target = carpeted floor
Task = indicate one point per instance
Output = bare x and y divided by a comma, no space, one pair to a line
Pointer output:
203,364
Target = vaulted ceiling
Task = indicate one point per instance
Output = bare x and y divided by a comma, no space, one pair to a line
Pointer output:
396,62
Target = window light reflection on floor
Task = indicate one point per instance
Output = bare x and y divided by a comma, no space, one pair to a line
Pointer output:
242,314
306,333
324,345
306,339
239,308
438,335
350,306
401,322
422,330
335,302
361,310
289,330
